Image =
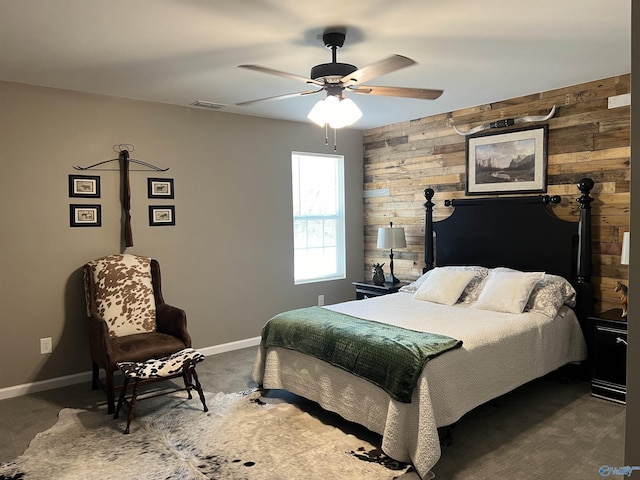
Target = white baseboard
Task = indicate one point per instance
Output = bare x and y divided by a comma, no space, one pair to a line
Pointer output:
228,347
42,385
25,388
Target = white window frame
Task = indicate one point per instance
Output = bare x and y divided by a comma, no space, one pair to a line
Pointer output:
329,251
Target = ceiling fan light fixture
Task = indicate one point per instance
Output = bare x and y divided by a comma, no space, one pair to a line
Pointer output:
318,113
348,113
335,111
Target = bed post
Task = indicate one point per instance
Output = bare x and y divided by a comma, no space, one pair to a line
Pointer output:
583,285
428,230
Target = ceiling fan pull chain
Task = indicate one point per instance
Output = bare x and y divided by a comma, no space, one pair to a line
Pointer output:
326,134
335,139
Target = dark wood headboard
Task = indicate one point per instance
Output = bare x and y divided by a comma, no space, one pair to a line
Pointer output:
516,232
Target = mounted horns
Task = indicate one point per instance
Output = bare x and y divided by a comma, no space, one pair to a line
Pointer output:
507,122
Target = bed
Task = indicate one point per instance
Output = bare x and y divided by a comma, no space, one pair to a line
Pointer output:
505,291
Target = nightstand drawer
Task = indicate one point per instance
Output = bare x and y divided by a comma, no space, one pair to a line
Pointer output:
609,356
610,348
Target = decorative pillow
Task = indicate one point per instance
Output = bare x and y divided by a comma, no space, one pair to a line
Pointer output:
123,293
475,286
444,285
415,285
507,291
549,294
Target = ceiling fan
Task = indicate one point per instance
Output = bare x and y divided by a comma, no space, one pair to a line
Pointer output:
335,77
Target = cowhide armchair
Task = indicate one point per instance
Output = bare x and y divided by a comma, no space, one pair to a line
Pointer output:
128,318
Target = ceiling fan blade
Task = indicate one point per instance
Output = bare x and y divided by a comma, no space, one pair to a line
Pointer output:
278,97
368,72
279,73
421,93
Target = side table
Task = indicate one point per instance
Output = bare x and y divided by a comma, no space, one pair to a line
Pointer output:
609,355
369,289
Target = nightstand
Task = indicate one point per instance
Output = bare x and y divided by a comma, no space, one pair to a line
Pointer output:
609,355
369,289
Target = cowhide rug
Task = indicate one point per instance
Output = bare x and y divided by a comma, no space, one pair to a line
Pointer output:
243,437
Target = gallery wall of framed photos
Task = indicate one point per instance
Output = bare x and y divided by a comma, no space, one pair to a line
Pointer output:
88,187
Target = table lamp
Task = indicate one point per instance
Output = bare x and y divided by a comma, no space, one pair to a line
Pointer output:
391,238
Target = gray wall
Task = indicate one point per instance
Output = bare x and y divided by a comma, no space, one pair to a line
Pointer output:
228,261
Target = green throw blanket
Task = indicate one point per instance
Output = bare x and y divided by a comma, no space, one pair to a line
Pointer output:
390,357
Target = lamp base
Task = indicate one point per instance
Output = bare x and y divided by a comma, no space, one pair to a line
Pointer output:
391,278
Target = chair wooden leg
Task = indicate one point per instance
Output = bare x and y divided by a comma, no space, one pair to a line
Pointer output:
198,388
95,385
122,395
187,382
132,405
111,398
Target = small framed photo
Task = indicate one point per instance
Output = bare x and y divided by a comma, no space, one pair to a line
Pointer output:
84,186
85,215
162,215
509,162
160,187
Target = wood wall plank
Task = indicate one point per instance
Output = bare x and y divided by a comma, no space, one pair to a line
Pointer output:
586,139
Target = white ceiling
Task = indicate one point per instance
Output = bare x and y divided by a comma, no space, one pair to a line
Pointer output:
179,51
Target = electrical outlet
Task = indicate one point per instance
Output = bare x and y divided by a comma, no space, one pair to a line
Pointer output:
46,345
320,300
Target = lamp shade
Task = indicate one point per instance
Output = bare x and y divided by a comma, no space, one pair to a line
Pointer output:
391,237
626,244
337,112
320,111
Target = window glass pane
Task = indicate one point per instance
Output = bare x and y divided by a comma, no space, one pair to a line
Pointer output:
318,217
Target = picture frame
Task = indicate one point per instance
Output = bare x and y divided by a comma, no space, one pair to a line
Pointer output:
87,186
162,215
507,162
160,188
85,215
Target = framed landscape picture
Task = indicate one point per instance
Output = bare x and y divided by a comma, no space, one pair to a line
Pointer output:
509,162
160,188
85,215
162,215
84,186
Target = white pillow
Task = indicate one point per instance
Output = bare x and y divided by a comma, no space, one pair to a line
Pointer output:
444,285
507,291
415,285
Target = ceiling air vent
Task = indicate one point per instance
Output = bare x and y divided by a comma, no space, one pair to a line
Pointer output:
208,105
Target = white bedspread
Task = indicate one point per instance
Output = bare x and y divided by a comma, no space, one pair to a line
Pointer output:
500,352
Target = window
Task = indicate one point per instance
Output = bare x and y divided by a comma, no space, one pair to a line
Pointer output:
318,217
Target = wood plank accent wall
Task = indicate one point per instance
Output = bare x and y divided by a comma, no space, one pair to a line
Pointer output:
586,139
